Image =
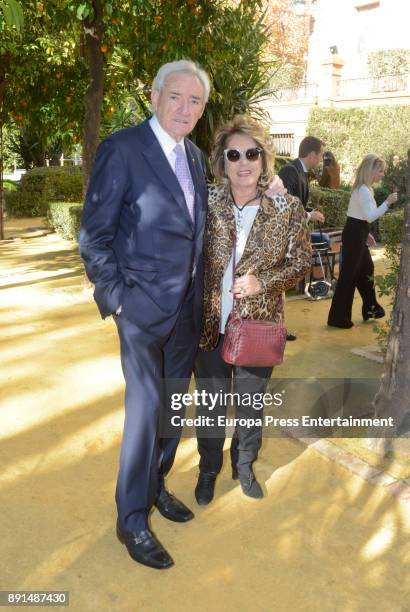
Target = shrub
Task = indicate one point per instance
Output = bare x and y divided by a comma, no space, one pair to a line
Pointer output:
351,133
280,161
42,185
395,176
9,186
391,227
65,218
332,203
388,62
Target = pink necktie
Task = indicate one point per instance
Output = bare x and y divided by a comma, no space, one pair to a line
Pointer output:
184,178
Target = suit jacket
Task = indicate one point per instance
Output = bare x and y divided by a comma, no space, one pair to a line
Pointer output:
137,238
277,251
295,180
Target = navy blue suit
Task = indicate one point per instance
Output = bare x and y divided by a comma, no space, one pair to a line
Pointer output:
142,251
295,180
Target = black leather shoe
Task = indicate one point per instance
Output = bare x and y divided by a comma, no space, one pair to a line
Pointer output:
205,488
290,337
144,548
173,509
376,312
250,486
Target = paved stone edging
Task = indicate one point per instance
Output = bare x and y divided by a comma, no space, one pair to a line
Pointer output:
397,487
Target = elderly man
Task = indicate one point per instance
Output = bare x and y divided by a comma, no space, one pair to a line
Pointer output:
141,240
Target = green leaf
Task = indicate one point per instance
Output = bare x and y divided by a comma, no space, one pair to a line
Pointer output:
13,14
81,11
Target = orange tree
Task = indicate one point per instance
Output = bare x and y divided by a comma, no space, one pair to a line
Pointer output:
43,81
77,61
226,38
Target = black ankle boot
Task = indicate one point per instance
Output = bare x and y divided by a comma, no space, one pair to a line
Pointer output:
250,486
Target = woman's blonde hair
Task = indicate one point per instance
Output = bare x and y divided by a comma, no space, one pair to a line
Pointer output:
242,124
366,170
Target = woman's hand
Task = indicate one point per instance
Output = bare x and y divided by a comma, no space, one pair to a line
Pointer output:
275,187
245,286
391,199
371,243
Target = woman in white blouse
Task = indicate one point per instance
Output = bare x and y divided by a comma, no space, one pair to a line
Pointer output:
357,267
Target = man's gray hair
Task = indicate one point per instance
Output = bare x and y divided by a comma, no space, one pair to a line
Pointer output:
186,67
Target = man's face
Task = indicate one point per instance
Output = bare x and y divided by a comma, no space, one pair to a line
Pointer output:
180,104
314,158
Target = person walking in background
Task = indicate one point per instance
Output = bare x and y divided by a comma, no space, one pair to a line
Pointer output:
295,178
141,240
330,177
357,267
272,251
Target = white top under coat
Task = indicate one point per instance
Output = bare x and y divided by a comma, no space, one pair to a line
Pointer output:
244,220
363,206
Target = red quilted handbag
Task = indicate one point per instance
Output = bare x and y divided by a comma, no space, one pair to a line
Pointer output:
252,343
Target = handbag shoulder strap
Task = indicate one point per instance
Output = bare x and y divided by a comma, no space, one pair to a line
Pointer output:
234,305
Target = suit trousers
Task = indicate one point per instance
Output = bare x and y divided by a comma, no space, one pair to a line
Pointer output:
357,272
153,368
214,376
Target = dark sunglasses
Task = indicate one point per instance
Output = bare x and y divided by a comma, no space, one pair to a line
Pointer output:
234,155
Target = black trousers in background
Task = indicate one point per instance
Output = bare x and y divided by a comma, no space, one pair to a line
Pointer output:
214,376
357,270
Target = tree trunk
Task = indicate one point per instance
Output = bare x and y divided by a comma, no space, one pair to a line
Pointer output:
93,31
4,67
393,396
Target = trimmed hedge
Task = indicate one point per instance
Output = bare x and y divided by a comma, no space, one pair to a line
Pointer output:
280,161
39,186
332,203
65,218
391,227
9,185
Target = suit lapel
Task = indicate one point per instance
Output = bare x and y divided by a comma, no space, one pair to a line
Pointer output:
198,179
156,158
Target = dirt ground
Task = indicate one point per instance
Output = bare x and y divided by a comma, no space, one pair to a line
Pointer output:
322,539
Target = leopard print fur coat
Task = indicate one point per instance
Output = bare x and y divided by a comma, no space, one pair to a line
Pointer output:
277,251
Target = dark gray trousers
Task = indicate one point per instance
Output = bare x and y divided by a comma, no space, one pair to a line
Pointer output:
215,376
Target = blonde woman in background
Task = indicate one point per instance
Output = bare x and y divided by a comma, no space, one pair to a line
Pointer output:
357,266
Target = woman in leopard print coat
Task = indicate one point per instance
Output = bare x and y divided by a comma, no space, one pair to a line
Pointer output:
272,253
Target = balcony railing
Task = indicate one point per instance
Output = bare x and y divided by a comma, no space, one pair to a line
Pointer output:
357,88
287,94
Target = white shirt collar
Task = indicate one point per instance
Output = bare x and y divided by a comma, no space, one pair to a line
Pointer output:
165,140
303,165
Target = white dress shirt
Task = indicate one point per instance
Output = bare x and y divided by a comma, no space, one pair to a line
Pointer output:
363,206
165,140
167,145
244,220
